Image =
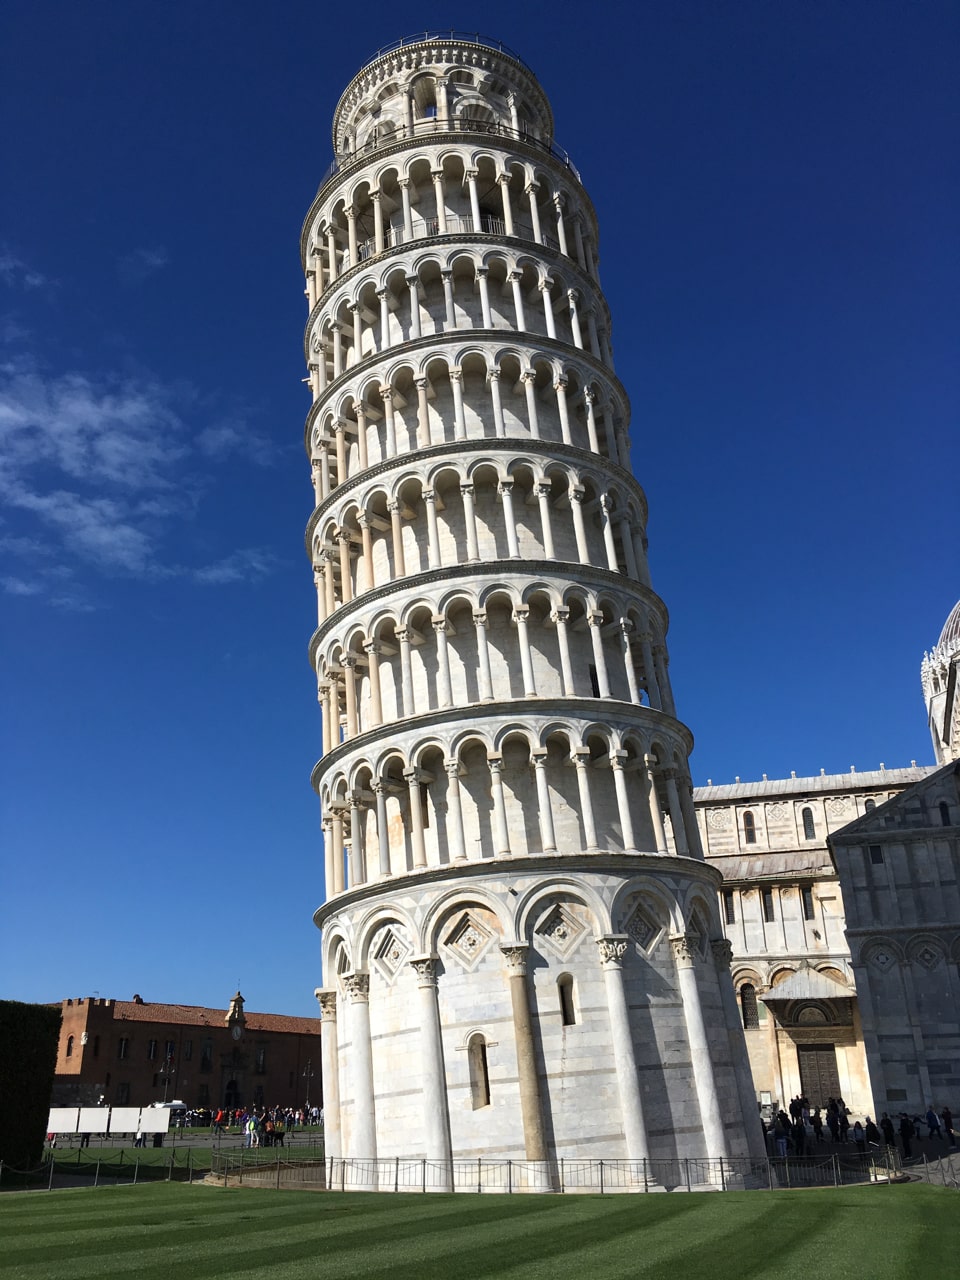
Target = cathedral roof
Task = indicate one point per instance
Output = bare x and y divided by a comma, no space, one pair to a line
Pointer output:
828,782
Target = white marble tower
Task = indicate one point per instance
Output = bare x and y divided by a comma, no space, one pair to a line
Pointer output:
521,945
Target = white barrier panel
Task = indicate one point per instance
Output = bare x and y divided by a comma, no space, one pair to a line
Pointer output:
154,1119
62,1120
94,1120
124,1119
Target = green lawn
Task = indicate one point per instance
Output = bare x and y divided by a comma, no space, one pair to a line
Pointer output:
155,1232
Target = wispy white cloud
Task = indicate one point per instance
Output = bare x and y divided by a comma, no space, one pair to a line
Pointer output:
100,472
221,439
134,267
17,274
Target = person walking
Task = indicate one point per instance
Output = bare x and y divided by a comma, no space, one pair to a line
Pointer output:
907,1131
933,1123
886,1125
860,1138
946,1115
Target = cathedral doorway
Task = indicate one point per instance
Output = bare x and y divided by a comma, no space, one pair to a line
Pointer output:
819,1077
231,1096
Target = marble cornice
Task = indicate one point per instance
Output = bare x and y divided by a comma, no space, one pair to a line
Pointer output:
656,864
582,279
567,571
441,342
484,445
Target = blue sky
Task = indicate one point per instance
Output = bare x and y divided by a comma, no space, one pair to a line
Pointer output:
777,187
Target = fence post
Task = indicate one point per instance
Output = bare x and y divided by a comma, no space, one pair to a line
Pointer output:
190,1165
343,1173
50,1179
510,1177
563,1181
278,1173
136,1171
836,1171
396,1173
723,1177
646,1182
479,1174
769,1174
686,1166
601,1177
96,1176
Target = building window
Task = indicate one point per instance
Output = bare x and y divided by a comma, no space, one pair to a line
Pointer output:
944,814
869,806
876,854
749,828
123,1048
96,1046
123,1094
748,1006
151,1049
261,1061
169,1049
809,830
806,894
69,1046
204,1095
568,1015
187,1050
479,1074
768,912
206,1056
729,909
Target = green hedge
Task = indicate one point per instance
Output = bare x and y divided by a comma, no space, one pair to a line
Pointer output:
29,1034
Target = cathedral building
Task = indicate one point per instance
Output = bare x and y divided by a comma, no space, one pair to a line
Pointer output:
523,954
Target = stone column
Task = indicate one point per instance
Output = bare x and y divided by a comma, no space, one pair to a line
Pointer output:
377,222
626,541
595,622
339,431
364,1132
694,844
606,524
676,816
581,758
459,421
406,671
589,400
413,287
360,413
504,180
444,688
722,950
510,525
416,817
576,496
396,539
336,827
446,275
337,334
383,831
366,545
623,802
471,177
612,950
373,650
543,498
455,832
685,957
404,184
493,377
561,617
349,664
357,331
483,656
423,414
470,521
548,837
436,1118
626,627
357,860
594,338
331,253
330,1073
329,586
433,529
666,696
500,829
484,297
352,234
656,817
520,617
384,320
515,277
390,422
327,857
531,190
531,1103
558,203
560,386
572,296
529,379
650,671
346,578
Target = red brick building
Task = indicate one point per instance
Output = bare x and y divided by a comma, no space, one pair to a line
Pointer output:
132,1053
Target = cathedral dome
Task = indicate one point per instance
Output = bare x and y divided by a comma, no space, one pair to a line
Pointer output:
950,635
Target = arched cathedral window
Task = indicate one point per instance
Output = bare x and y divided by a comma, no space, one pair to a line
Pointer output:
809,830
479,1074
749,828
748,1005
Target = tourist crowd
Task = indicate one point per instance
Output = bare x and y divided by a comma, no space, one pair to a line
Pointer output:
800,1129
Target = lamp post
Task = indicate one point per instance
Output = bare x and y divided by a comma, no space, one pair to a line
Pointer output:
308,1076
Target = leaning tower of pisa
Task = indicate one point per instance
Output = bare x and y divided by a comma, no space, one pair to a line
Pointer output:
522,952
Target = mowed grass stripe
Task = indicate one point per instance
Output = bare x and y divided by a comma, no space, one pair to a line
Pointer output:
883,1233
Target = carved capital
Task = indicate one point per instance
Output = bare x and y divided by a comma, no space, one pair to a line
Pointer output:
722,949
467,489
425,967
560,616
480,617
612,950
684,948
521,614
357,986
328,1004
515,954
455,374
